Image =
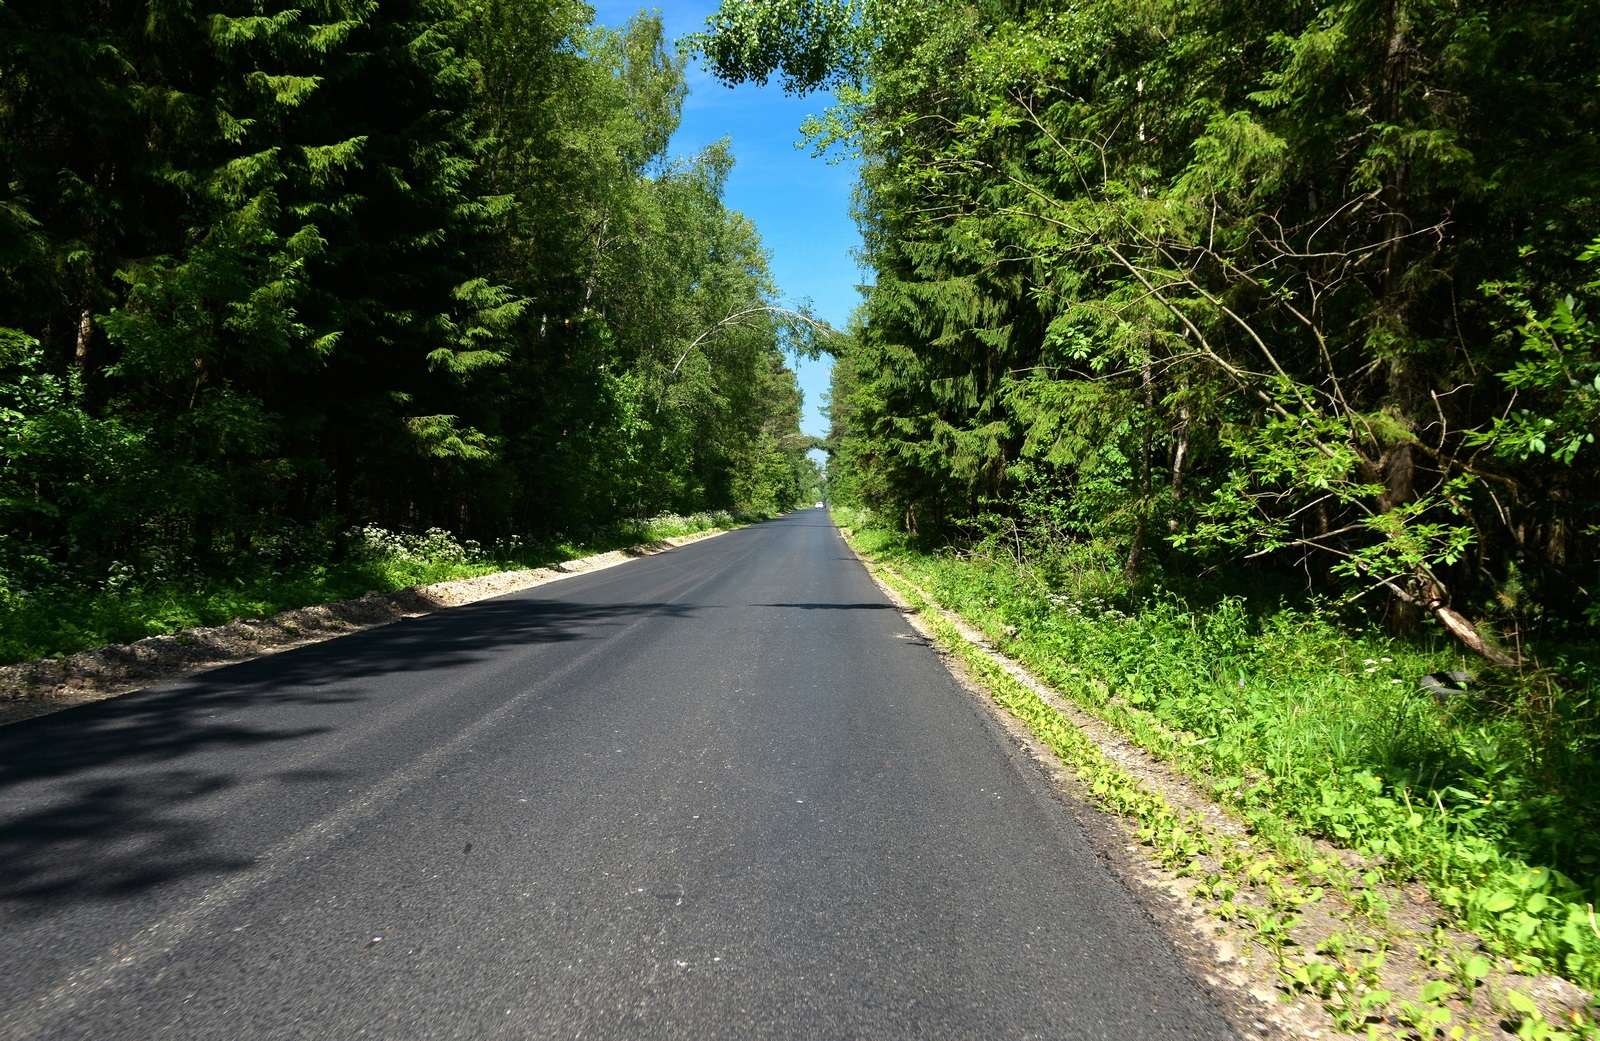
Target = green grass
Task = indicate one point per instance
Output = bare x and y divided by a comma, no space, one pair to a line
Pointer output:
64,613
1301,723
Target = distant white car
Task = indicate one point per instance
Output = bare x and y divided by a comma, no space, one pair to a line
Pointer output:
819,505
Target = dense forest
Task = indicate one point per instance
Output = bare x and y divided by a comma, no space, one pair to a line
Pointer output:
1183,285
272,270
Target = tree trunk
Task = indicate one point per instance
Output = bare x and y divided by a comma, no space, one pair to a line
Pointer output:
1130,572
1180,453
594,266
1396,77
1459,625
80,356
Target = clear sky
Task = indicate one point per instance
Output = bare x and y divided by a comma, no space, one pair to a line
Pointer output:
801,205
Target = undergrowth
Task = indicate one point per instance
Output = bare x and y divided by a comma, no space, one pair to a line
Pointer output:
1268,892
1301,723
48,611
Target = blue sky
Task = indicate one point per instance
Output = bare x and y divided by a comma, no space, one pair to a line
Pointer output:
801,205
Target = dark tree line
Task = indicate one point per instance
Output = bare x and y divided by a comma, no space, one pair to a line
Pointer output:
1308,286
271,267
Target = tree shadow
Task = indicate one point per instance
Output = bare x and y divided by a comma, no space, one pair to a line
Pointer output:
833,606
109,839
104,800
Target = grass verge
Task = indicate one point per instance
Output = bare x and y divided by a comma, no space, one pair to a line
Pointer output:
1522,919
69,613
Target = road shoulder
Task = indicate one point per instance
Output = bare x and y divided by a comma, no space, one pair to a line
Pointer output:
1293,936
46,685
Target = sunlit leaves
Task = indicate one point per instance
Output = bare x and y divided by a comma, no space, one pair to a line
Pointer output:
1255,234
1557,376
813,43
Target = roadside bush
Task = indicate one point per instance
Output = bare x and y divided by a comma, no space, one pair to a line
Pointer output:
68,608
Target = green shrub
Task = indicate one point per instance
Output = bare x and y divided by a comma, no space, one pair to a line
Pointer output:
66,609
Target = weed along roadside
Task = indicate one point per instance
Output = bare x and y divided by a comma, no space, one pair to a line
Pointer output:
45,685
1317,883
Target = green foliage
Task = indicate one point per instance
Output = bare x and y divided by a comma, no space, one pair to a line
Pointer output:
1209,276
1557,376
813,43
1296,722
70,609
242,303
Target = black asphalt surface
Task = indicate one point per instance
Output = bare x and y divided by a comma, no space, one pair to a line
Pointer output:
722,792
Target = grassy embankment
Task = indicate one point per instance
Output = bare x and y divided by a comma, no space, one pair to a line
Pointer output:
1303,727
70,613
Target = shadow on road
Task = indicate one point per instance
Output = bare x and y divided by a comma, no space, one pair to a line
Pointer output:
96,802
833,607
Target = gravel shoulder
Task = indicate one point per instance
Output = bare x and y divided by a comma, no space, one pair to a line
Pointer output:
46,685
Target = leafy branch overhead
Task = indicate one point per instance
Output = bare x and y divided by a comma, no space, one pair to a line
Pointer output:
801,333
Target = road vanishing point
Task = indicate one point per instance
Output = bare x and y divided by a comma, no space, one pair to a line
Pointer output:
722,792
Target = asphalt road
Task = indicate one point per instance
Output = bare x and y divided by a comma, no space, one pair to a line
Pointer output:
723,792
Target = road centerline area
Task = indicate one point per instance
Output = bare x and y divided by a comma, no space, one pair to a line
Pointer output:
724,791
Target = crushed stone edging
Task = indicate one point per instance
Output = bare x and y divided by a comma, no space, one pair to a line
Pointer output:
47,685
